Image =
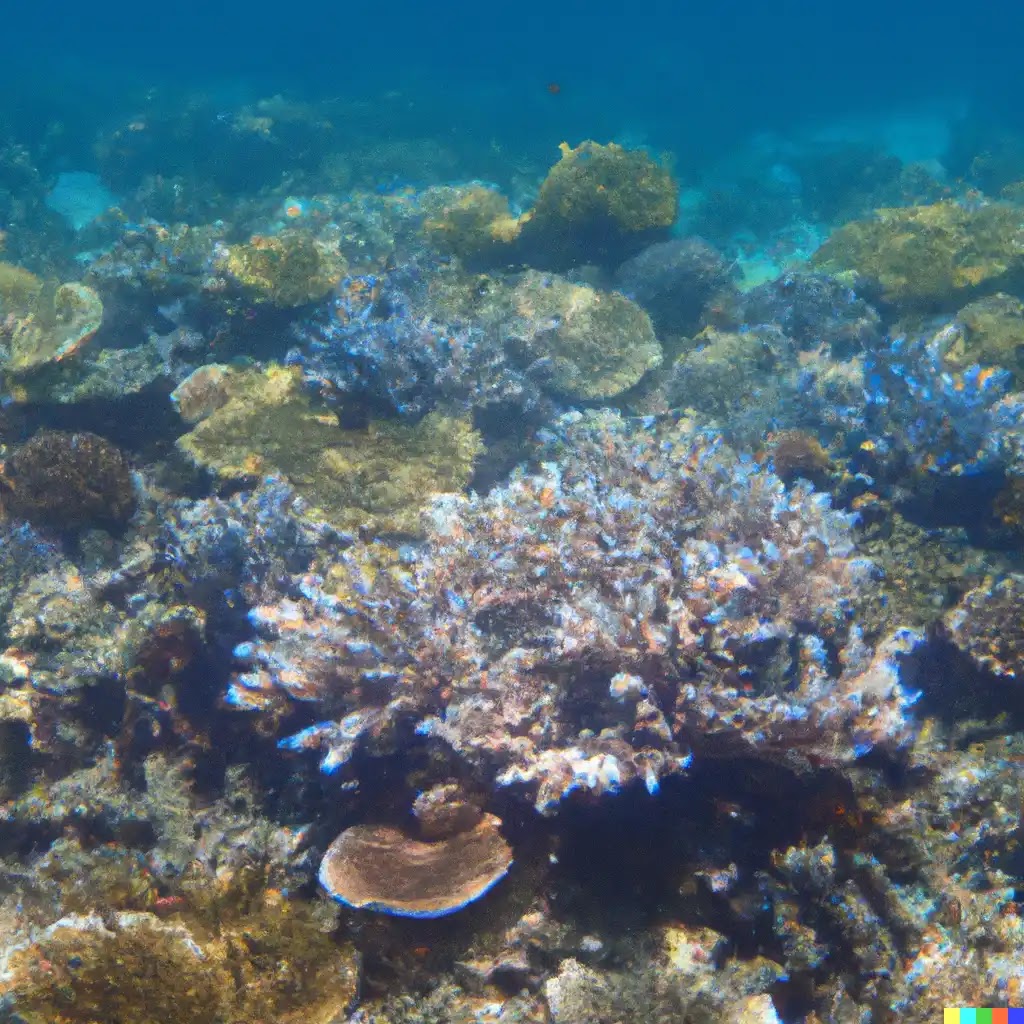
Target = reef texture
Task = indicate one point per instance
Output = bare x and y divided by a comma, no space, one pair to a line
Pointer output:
597,628
529,602
377,476
925,257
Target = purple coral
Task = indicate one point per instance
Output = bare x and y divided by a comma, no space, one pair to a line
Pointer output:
644,597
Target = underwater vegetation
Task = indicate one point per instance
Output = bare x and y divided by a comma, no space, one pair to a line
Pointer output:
464,588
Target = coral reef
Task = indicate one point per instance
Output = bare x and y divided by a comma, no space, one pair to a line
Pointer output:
380,868
378,476
68,481
360,519
929,257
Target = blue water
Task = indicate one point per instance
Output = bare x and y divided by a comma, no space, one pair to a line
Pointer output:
681,76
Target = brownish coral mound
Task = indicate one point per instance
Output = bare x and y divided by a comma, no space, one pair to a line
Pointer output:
381,868
69,481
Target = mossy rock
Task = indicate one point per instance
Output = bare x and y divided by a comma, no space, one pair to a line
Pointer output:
285,270
474,223
722,370
378,477
56,325
991,333
931,257
599,204
596,345
19,289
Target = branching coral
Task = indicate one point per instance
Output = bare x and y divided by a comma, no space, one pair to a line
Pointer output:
644,598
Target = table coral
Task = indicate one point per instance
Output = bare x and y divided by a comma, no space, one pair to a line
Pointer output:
379,475
380,868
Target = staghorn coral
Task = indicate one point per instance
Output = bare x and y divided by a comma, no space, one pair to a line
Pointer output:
643,599
377,476
929,257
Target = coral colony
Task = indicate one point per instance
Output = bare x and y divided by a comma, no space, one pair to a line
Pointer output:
423,606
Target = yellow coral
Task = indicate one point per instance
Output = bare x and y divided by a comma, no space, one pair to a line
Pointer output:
930,256
60,322
230,950
474,223
376,477
285,270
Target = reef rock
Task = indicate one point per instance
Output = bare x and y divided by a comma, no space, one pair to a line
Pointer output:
673,281
931,257
591,344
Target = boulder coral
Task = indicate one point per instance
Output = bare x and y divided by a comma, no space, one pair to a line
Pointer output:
599,204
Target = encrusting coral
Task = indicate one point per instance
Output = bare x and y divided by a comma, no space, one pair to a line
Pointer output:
379,475
927,257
